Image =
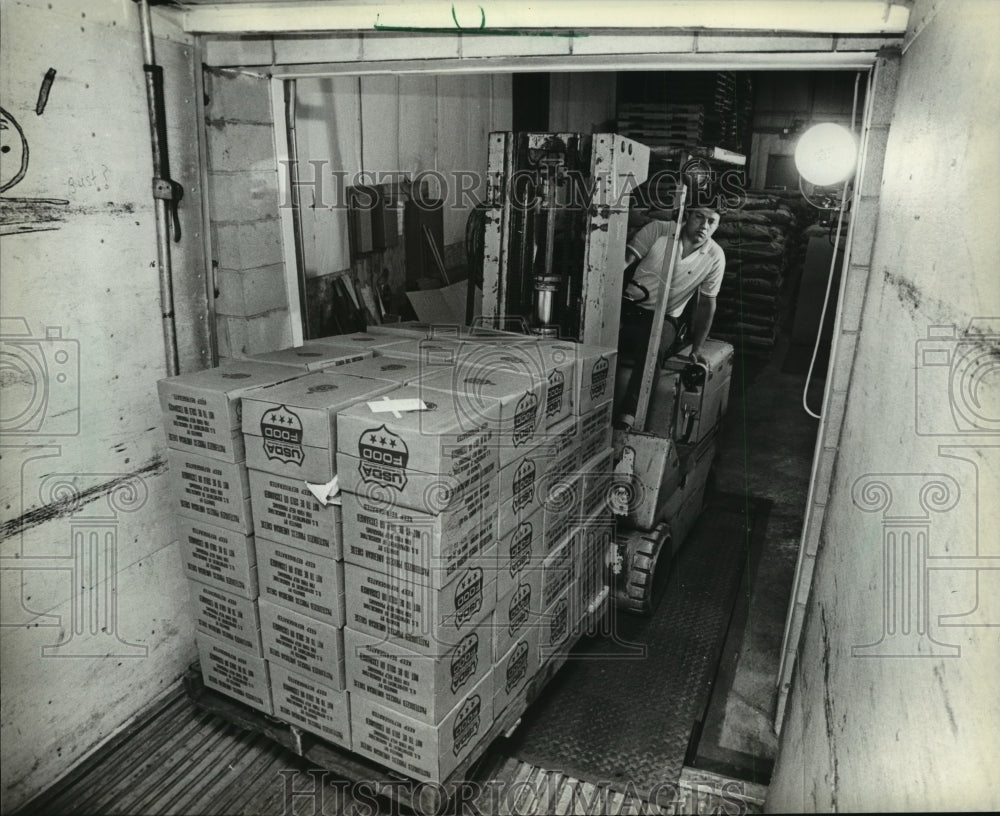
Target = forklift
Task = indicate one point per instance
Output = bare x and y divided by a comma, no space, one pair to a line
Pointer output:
551,253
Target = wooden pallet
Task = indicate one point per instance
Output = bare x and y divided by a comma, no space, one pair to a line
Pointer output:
420,795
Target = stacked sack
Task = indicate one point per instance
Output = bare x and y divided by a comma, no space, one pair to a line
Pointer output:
762,241
210,485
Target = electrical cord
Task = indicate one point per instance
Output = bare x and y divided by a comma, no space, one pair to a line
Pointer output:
833,266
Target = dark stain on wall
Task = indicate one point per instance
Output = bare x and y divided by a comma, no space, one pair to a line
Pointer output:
909,295
71,504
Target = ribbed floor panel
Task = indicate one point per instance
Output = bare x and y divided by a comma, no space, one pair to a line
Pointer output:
188,762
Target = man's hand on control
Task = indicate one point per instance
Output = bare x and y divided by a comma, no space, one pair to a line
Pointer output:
698,357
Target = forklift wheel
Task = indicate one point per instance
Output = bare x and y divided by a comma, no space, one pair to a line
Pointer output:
641,583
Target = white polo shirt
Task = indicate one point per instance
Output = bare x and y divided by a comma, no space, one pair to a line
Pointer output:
701,270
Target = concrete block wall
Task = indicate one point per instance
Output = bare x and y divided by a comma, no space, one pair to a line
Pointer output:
251,301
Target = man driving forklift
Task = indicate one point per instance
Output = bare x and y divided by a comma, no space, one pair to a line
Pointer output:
700,265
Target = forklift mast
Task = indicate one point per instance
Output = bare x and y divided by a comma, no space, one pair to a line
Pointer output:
555,232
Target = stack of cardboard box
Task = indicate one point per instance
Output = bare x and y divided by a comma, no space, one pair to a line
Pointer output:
431,528
290,434
211,496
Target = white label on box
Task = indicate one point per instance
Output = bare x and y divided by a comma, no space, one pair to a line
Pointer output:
430,548
312,706
227,617
218,557
234,672
302,581
425,687
302,644
211,490
286,511
414,615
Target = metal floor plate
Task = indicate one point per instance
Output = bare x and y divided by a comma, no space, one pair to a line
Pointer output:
622,710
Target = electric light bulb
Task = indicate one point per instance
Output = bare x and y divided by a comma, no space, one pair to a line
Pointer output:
826,154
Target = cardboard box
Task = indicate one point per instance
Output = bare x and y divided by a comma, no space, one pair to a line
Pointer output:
413,615
364,341
202,410
314,707
511,403
559,570
537,361
563,446
227,617
291,429
429,549
302,644
558,623
218,557
430,355
594,373
234,673
313,356
561,510
513,672
520,551
453,331
384,367
520,487
419,459
595,432
518,612
425,687
301,581
598,475
210,490
416,749
286,511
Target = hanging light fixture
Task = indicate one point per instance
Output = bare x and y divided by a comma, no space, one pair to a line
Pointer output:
826,154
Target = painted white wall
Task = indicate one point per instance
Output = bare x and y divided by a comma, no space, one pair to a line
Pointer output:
382,124
914,722
83,470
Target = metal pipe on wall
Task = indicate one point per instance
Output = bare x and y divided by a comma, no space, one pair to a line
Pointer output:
163,192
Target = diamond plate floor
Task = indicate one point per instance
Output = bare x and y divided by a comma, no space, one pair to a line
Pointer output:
623,709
